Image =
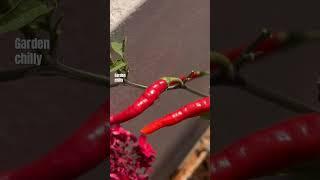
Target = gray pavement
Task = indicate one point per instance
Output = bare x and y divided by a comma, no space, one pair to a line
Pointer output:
166,38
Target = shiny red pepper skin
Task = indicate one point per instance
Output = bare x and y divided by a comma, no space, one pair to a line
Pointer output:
84,150
142,103
193,109
267,151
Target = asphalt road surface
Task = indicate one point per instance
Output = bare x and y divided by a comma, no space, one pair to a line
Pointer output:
166,38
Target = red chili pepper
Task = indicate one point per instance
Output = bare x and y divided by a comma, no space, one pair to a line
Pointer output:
267,151
151,94
84,150
192,75
192,109
275,42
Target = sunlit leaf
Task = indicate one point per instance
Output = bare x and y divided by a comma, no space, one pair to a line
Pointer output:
118,65
118,48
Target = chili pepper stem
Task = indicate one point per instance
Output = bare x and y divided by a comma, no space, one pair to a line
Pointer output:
196,92
126,81
170,80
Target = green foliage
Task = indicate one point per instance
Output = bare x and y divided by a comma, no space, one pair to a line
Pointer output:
117,48
118,65
22,13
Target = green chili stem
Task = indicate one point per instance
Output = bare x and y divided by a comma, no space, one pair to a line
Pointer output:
83,75
196,92
141,86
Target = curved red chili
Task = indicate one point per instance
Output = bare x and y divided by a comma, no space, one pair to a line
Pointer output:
269,150
84,150
151,94
192,109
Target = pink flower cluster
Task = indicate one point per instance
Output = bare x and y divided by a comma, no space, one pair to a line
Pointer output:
130,158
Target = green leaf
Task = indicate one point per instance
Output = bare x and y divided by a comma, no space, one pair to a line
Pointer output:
118,65
24,13
118,48
222,61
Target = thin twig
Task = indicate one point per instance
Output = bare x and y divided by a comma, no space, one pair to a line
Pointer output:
115,84
279,99
83,75
18,73
196,92
60,69
141,86
250,49
53,70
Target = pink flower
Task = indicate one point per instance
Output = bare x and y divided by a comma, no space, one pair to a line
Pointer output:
145,147
129,159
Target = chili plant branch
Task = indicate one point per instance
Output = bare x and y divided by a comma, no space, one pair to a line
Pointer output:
185,79
277,98
261,46
14,74
127,82
196,92
83,75
54,70
250,49
264,45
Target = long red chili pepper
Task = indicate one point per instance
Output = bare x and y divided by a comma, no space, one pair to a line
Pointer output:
269,150
84,150
192,109
276,41
151,94
273,43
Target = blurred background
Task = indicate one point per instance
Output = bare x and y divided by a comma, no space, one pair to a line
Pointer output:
37,113
293,73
